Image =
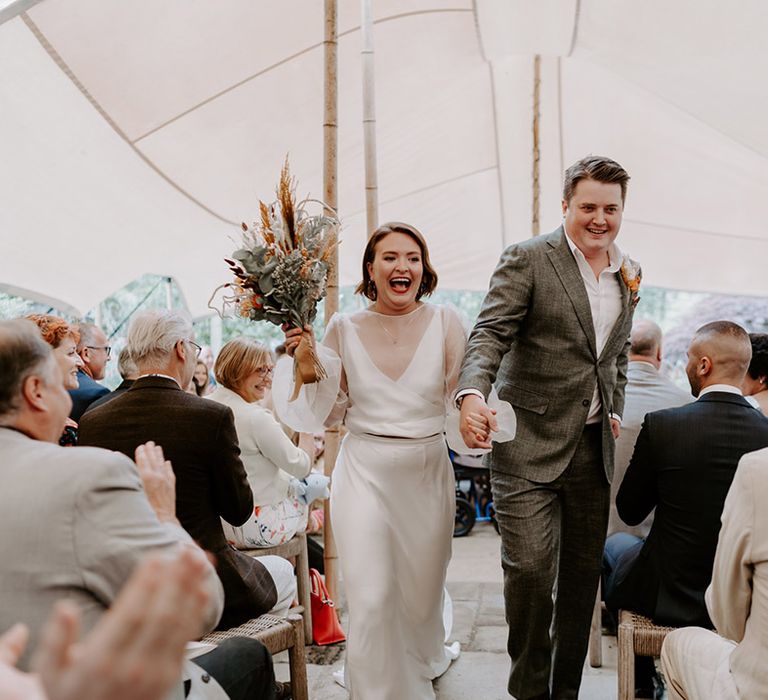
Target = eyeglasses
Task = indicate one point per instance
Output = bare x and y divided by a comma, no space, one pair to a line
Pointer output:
198,349
265,371
105,348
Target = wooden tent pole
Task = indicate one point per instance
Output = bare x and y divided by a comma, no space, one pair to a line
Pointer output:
369,119
535,223
330,171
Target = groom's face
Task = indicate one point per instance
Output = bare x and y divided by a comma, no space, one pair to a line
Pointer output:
593,216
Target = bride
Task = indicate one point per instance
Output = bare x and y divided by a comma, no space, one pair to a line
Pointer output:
392,371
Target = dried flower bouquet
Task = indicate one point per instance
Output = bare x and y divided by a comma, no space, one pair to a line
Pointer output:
281,270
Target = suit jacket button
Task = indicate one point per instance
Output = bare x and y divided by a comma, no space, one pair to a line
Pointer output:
206,678
585,402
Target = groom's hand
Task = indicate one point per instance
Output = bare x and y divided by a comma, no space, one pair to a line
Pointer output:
477,421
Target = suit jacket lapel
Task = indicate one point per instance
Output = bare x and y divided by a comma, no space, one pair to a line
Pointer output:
567,270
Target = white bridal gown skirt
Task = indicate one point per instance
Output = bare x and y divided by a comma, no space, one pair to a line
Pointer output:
392,511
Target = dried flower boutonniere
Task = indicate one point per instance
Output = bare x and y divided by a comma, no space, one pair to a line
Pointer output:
632,276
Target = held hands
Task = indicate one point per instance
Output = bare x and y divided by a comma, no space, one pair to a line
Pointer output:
293,337
159,481
476,422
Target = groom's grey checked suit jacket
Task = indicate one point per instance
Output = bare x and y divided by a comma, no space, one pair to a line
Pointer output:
537,318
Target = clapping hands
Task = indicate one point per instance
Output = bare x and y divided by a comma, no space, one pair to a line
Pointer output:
159,480
136,650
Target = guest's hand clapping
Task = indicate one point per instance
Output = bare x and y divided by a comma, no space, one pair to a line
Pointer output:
159,480
477,422
15,684
136,650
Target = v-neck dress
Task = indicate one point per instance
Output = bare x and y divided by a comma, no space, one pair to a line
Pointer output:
392,497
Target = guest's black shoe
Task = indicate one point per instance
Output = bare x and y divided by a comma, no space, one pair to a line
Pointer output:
282,690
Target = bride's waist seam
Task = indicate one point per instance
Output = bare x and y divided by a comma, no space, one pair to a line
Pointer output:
399,439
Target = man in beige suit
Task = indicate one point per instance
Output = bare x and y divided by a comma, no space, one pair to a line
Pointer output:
701,664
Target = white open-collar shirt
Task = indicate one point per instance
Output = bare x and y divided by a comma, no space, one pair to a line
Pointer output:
604,293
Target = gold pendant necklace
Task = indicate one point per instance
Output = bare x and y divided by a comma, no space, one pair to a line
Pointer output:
396,338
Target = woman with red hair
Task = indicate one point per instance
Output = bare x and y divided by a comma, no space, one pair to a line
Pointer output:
63,339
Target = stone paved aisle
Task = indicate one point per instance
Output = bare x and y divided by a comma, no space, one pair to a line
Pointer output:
474,582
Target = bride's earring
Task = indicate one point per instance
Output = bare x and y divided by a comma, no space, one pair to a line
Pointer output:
371,290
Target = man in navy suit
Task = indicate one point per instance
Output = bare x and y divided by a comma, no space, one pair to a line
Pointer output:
128,371
94,351
684,461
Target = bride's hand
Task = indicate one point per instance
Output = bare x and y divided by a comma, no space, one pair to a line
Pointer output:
293,337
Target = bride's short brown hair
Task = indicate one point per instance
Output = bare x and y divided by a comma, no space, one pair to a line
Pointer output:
428,277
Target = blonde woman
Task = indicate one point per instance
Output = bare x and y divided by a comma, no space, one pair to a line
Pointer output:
272,462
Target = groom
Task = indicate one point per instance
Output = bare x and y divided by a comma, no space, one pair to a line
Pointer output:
553,333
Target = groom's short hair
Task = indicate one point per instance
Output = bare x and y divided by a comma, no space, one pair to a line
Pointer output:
597,168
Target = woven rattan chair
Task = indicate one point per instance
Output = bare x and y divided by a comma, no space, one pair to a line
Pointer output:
638,636
295,547
277,634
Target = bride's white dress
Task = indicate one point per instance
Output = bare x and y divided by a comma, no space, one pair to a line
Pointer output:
392,497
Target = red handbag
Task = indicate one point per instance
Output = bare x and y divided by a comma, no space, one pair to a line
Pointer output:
325,623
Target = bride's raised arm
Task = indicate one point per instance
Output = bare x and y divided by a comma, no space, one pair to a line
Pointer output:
322,403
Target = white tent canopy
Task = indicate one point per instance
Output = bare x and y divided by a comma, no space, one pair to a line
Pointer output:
135,136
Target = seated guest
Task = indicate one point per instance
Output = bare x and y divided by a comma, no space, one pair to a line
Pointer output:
700,664
683,464
201,380
63,338
647,390
128,371
756,382
94,352
102,515
199,438
271,460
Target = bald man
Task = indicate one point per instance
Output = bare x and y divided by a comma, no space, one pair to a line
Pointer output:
647,390
683,463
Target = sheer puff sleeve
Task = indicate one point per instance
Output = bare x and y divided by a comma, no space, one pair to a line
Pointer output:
454,343
320,404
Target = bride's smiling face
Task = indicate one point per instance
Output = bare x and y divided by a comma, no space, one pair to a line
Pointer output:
396,271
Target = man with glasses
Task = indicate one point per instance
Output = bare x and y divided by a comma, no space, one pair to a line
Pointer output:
94,352
198,437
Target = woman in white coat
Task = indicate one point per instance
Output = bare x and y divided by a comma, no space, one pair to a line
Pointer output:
272,462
